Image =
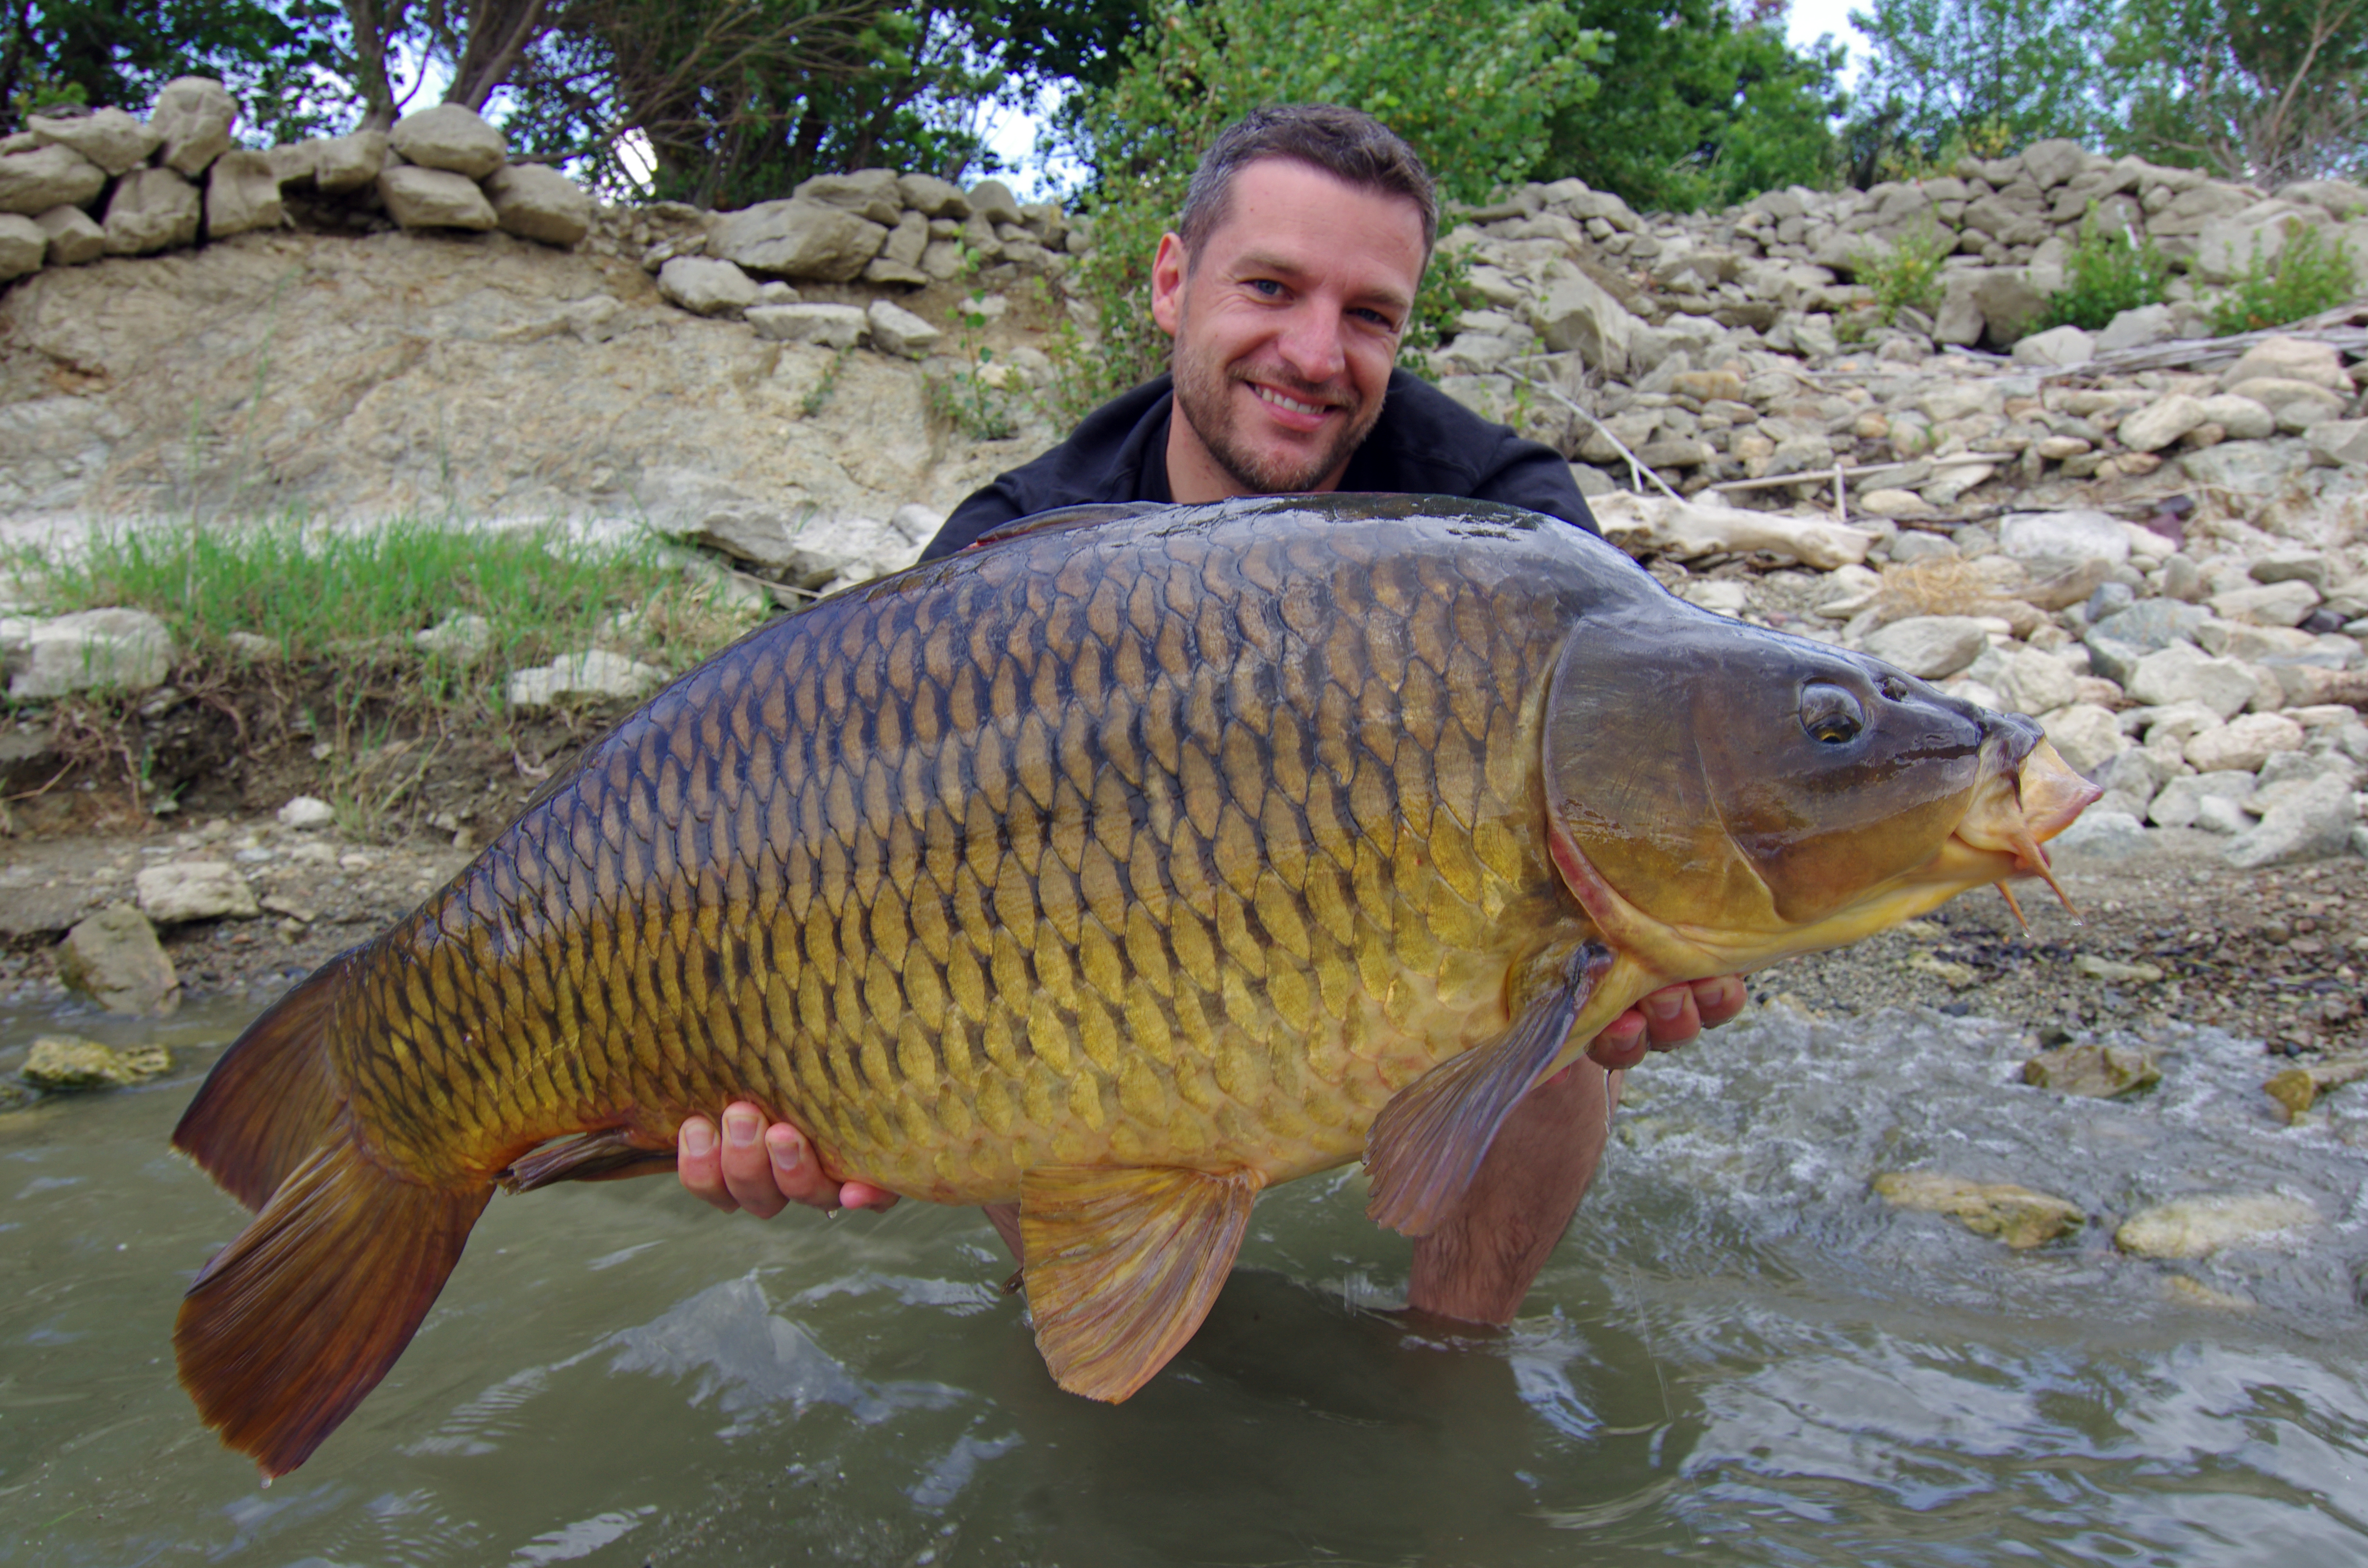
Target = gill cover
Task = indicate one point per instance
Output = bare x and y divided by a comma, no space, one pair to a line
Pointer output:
1721,776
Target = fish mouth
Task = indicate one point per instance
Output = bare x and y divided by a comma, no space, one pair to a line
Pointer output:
2023,802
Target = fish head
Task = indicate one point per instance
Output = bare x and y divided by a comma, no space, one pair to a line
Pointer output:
1721,795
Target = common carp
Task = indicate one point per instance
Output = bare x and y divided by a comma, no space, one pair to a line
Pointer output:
1122,865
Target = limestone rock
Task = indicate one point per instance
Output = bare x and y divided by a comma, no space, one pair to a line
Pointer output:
992,199
348,163
583,677
2198,1227
2290,359
2036,683
797,240
2343,441
2059,346
34,182
2066,535
72,238
2138,328
2296,1088
295,163
306,812
2016,1215
449,137
1931,647
2297,404
68,1062
1572,313
2100,833
2093,1072
2157,425
536,201
833,327
419,197
895,330
114,959
2285,603
2240,417
125,649
932,196
2182,673
2181,800
706,287
242,193
193,115
2312,823
2010,305
152,209
462,638
868,193
23,244
2243,745
195,890
117,142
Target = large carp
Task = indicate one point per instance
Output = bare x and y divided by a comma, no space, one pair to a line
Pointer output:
1121,866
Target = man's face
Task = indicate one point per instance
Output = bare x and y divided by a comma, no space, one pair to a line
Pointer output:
1286,324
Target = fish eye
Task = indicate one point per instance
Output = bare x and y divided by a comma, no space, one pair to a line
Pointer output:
1831,715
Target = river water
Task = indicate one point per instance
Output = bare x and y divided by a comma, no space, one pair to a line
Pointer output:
1739,1356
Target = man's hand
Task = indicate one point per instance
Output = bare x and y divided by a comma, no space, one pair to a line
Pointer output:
1666,1019
761,1169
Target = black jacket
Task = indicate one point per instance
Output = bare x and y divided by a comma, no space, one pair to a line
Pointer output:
1425,443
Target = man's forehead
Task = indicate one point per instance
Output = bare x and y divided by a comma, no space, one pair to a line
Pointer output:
1260,179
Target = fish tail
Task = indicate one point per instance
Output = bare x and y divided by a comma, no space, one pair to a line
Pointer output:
273,1096
297,1319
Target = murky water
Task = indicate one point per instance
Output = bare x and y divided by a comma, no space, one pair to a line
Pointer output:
1738,1357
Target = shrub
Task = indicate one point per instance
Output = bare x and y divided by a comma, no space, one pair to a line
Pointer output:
2304,277
2105,274
1906,274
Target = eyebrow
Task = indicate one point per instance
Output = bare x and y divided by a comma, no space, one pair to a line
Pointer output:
1258,261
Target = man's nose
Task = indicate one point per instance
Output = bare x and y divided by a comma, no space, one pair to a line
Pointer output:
1312,342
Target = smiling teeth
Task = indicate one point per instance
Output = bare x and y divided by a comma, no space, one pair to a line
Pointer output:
1282,402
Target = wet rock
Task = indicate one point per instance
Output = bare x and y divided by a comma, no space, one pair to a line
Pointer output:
2297,1088
2114,973
452,137
2313,824
195,890
537,202
117,142
61,1062
91,649
433,199
706,287
583,677
2198,1227
194,116
114,959
2016,1215
1948,972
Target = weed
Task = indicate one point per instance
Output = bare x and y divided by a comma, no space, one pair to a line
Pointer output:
1906,274
978,397
825,385
2307,276
2108,271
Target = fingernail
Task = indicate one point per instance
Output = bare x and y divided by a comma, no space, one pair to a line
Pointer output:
699,1138
740,1130
1663,1008
789,1152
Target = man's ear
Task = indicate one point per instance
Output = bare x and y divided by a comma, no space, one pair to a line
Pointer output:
1168,270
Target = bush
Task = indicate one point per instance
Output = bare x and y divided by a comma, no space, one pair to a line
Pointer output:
2105,274
2307,276
1906,274
1473,92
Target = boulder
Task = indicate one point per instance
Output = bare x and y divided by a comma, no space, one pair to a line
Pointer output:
114,959
35,181
1931,647
117,141
127,650
242,193
152,209
1573,313
2157,425
867,193
295,163
419,197
2016,1215
932,196
537,202
2182,673
74,238
2053,162
2313,822
2242,744
2292,360
66,1063
583,677
832,326
797,240
348,163
2010,305
193,116
2198,1227
706,287
450,137
23,244
992,199
895,330
195,890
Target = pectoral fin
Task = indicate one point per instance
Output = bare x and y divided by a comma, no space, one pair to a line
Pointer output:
1428,1144
611,1154
1122,1265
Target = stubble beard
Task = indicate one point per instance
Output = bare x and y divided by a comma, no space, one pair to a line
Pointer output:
1203,396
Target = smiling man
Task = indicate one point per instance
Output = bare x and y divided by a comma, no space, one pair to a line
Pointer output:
1286,288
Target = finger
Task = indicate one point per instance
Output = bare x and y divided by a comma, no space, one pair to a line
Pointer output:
1622,1043
748,1168
1720,998
1670,1019
695,1162
863,1195
797,1175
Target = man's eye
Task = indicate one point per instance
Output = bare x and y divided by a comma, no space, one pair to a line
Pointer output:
1377,319
1266,287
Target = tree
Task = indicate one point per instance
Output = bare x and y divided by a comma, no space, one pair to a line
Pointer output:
2262,90
1709,109
279,57
2018,71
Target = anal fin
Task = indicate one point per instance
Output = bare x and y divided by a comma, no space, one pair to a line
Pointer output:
1123,1263
1427,1145
611,1154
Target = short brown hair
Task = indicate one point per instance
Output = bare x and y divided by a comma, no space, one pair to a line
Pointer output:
1346,143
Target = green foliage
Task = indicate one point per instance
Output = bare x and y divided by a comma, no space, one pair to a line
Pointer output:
1709,110
279,56
2106,273
2307,276
977,396
1936,69
1906,274
2262,90
1472,86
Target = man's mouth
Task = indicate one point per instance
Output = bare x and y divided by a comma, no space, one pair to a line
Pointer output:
1288,403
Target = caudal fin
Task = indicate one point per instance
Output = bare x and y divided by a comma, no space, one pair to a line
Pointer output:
294,1322
272,1098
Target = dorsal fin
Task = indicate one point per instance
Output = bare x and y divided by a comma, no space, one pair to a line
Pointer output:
1062,519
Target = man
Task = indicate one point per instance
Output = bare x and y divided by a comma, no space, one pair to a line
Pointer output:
1287,288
